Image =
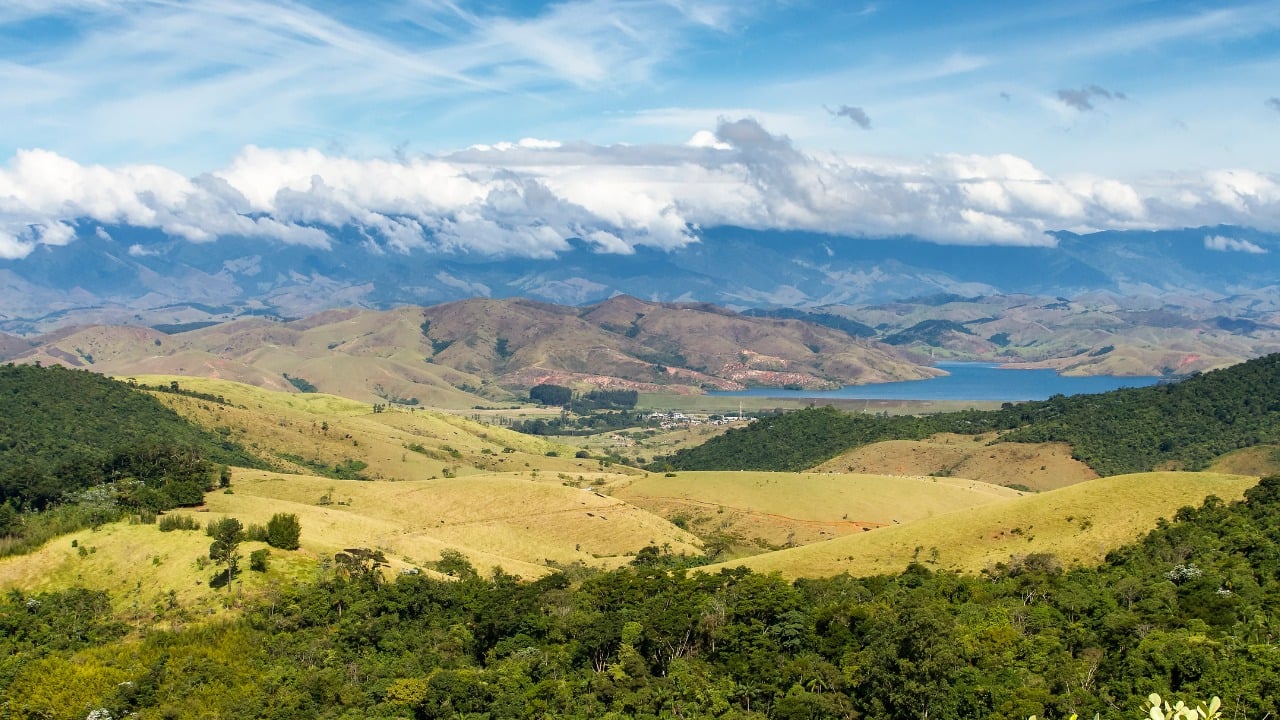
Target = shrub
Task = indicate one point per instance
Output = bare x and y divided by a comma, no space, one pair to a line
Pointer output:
168,523
283,531
258,560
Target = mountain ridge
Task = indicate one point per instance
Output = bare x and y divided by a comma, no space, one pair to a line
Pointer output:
116,272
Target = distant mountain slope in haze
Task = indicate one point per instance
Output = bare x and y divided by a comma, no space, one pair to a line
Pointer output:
123,270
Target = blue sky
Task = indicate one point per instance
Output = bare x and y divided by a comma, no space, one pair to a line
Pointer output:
1158,98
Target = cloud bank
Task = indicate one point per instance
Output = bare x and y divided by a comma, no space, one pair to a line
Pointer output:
529,198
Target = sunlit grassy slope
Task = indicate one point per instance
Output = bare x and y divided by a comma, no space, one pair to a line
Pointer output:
775,508
400,443
1079,524
1038,466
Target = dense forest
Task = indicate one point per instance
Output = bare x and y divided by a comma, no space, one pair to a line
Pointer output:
1187,424
63,432
1190,611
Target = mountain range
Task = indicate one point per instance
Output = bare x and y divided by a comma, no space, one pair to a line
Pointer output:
121,274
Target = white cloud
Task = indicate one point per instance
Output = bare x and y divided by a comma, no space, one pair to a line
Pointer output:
528,198
1226,244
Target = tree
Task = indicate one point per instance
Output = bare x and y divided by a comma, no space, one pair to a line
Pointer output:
283,531
227,534
548,394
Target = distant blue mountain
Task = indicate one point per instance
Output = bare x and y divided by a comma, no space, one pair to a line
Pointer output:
143,268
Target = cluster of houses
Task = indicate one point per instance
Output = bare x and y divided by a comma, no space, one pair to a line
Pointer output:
674,419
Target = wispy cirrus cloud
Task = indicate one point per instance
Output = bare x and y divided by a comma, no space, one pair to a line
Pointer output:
157,76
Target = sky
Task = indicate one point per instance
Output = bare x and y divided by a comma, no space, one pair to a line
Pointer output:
506,127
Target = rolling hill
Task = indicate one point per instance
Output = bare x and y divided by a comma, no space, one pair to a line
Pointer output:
456,355
1079,524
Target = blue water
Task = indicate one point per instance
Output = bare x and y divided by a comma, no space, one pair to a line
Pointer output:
966,381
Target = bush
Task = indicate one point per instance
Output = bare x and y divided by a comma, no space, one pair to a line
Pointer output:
283,531
258,560
168,523
255,533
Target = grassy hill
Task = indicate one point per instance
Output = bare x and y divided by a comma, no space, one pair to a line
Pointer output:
752,511
1079,524
1037,466
458,354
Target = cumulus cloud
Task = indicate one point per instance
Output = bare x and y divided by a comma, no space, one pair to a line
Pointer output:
1084,98
1226,244
530,198
856,115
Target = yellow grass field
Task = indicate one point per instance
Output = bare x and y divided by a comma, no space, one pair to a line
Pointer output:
1039,466
517,523
774,508
398,444
1079,524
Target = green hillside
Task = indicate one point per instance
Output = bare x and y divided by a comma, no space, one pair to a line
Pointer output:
66,430
1185,424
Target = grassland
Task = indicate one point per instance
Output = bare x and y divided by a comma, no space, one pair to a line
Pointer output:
770,509
1079,524
526,504
519,523
1038,466
398,444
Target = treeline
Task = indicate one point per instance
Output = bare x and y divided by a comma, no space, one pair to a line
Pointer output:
1187,424
598,399
798,440
588,424
65,431
1189,611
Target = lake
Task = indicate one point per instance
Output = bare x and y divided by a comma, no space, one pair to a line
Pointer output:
966,381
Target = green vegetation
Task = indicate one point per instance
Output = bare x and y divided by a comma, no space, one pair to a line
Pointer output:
802,439
929,332
67,431
227,535
347,469
283,531
547,394
1188,612
301,384
1188,424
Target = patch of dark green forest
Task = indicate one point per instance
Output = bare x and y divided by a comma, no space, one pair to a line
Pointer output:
1190,611
1185,424
66,434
